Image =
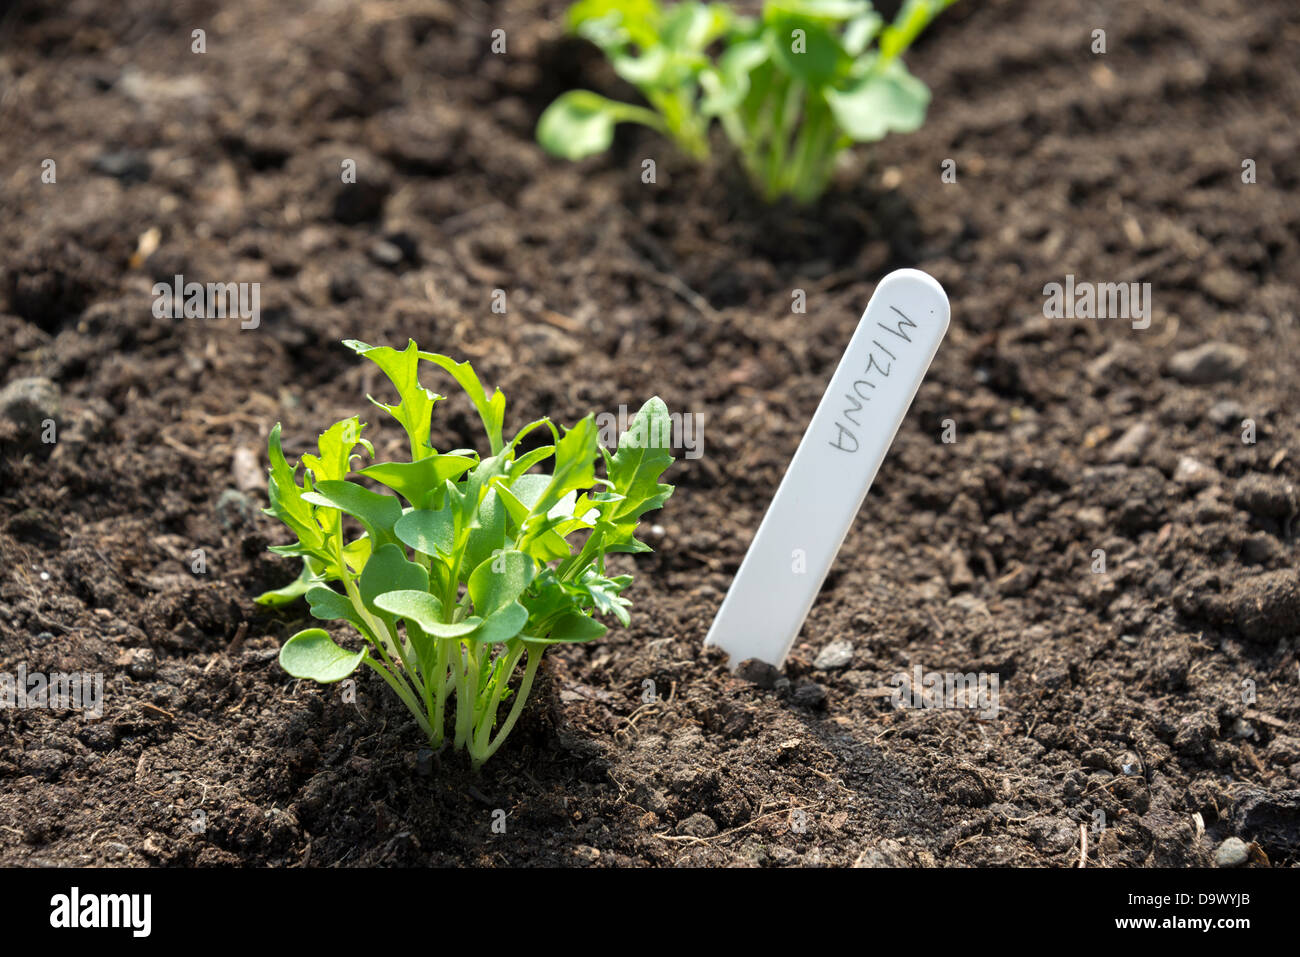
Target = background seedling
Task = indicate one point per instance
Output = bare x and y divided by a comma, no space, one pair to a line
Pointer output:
491,578
792,88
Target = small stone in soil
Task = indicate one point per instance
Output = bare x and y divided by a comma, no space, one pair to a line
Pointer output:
888,853
235,508
144,664
1233,852
1194,474
385,253
1210,362
126,165
424,762
1131,444
759,673
698,825
838,654
1268,496
29,402
809,694
1226,412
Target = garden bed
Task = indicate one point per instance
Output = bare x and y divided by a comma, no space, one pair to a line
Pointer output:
1120,693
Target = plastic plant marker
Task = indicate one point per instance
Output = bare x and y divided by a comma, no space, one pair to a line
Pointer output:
823,488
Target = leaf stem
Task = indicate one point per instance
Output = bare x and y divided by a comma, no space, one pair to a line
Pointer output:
535,652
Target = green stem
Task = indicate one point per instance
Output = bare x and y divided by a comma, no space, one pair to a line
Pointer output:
504,669
441,681
464,701
521,696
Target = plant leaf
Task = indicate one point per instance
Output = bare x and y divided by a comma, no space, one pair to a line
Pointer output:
815,56
417,481
575,458
883,101
389,569
502,625
499,581
604,594
491,409
292,591
328,605
313,655
426,611
336,444
573,626
429,532
726,86
378,513
581,123
415,410
542,543
286,497
634,471
488,533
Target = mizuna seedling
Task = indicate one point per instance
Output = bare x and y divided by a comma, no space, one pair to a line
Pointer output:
792,88
832,469
464,566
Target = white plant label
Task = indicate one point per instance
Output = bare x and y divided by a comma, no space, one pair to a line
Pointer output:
828,478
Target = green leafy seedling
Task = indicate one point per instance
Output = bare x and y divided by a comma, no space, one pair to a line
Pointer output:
464,566
792,88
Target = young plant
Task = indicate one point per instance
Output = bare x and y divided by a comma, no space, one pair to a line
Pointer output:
792,88
474,564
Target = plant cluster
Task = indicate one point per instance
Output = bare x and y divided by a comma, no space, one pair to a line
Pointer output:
475,563
791,88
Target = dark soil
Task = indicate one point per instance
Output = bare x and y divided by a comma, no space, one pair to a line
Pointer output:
1126,692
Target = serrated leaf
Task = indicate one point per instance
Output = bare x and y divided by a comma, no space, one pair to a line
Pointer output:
635,469
543,543
418,481
336,444
415,409
528,460
313,655
491,409
286,497
604,594
575,464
